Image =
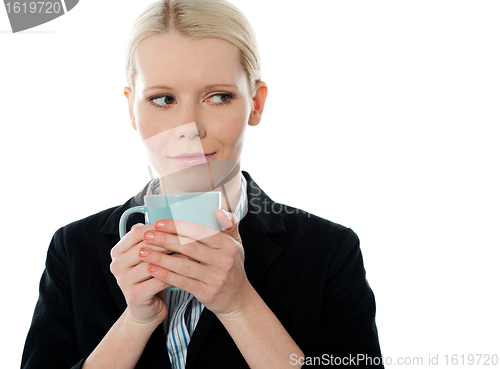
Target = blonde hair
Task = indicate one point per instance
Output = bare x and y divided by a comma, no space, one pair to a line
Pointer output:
196,19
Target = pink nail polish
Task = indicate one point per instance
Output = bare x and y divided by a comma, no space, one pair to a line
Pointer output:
144,253
160,224
152,268
149,235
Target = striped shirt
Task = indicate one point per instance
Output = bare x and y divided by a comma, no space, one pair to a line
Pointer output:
184,310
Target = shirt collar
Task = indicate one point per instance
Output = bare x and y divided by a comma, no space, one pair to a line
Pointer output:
240,210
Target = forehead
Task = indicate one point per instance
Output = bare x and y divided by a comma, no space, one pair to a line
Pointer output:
179,61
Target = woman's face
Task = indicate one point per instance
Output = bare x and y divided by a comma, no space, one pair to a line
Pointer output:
191,102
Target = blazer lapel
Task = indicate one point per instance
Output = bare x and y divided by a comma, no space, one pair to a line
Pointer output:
257,228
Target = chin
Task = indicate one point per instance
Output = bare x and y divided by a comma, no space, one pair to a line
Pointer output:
204,177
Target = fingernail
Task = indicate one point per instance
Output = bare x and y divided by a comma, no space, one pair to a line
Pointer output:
152,268
149,235
227,214
137,225
160,224
144,253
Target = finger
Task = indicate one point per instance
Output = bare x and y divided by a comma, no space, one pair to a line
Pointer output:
178,265
139,276
191,230
177,255
128,260
146,289
130,239
165,240
228,224
171,278
134,275
195,250
188,232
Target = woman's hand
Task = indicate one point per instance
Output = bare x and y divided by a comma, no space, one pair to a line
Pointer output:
145,295
213,271
213,267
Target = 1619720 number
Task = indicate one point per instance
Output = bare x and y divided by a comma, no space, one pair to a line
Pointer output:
471,359
33,7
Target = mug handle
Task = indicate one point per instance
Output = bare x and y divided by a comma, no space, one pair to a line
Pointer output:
126,214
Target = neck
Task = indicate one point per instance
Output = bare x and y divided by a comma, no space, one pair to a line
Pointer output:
230,190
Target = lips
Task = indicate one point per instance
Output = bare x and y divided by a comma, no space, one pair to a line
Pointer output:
190,159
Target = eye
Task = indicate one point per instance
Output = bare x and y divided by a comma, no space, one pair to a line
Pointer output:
220,99
164,100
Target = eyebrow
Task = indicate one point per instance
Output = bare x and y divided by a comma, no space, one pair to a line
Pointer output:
207,87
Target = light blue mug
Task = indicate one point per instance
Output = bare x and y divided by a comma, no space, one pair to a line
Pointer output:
196,207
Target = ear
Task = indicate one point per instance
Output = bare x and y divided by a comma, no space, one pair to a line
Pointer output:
259,100
130,99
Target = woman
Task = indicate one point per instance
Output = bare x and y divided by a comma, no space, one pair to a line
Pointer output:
277,288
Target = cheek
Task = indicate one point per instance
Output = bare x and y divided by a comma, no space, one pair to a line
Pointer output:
157,143
147,120
145,126
148,125
231,127
230,132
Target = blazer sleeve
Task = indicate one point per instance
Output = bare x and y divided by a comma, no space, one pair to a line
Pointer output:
52,339
348,335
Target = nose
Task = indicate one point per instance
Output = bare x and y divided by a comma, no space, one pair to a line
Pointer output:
189,126
188,131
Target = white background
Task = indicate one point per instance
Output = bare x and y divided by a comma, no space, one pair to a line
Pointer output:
382,116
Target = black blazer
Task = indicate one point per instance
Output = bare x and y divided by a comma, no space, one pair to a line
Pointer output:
308,270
